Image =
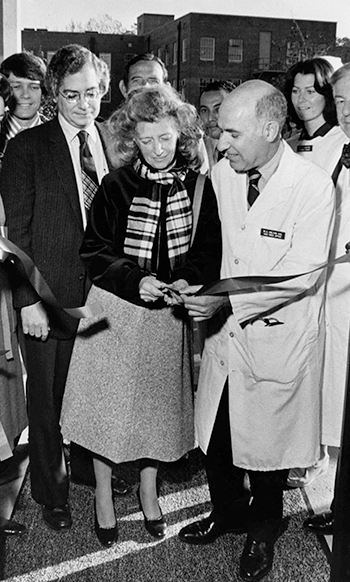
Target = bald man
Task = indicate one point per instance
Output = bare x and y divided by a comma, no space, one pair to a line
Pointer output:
258,401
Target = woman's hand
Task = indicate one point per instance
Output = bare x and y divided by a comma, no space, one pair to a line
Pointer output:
150,289
172,292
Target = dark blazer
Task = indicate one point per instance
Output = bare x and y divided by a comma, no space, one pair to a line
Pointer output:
43,215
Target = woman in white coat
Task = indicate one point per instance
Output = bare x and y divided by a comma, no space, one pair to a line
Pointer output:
311,107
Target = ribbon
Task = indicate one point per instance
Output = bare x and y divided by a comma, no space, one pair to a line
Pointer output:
10,251
255,283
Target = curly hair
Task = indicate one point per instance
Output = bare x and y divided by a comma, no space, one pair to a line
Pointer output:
150,106
322,71
71,59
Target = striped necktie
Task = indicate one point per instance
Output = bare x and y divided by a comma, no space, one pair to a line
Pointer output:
88,170
253,189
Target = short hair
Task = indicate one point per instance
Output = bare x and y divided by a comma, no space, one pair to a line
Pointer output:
25,65
272,107
227,86
5,88
322,71
71,59
150,106
340,73
144,57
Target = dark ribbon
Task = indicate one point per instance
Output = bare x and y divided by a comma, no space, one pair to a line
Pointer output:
10,251
255,283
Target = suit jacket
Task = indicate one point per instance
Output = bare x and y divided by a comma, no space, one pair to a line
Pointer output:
41,200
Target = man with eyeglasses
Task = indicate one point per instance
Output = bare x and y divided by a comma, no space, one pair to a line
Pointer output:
44,187
26,75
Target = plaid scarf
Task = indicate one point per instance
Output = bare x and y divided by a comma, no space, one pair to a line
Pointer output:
144,215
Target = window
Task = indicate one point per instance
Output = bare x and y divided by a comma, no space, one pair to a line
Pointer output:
235,50
107,58
175,53
128,57
207,49
184,50
293,53
167,56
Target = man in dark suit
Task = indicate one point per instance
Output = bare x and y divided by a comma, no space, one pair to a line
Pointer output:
45,197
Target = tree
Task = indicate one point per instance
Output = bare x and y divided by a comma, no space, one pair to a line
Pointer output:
104,24
342,49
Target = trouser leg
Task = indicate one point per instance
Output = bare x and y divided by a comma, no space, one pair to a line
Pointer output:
47,367
226,481
266,509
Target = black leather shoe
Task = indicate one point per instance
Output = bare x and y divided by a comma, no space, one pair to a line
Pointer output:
119,486
256,560
155,527
57,518
321,523
8,527
207,530
107,536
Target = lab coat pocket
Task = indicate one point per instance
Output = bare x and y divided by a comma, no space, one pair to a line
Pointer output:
277,351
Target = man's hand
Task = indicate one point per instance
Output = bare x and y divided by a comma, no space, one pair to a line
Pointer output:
203,307
150,289
35,321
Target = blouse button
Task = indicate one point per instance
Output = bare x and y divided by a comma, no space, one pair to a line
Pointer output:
236,261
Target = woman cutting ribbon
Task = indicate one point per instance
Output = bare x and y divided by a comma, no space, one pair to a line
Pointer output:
129,392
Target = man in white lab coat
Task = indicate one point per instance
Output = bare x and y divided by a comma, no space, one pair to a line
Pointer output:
258,402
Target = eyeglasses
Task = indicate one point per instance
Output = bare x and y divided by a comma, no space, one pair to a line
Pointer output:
74,96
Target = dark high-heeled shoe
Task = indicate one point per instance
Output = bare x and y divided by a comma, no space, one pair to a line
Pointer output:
155,527
107,536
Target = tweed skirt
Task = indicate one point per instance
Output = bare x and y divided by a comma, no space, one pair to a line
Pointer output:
129,388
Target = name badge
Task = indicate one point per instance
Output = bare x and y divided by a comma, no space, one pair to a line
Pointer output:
272,233
304,148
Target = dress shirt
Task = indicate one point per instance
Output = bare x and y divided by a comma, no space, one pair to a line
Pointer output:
96,148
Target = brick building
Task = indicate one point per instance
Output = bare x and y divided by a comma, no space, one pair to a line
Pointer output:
198,48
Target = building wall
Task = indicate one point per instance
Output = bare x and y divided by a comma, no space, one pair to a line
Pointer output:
120,47
287,41
290,41
10,37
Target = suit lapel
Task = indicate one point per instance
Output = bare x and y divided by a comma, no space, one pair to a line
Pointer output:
64,167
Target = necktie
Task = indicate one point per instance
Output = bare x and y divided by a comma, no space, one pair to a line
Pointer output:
343,161
88,170
253,190
345,156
